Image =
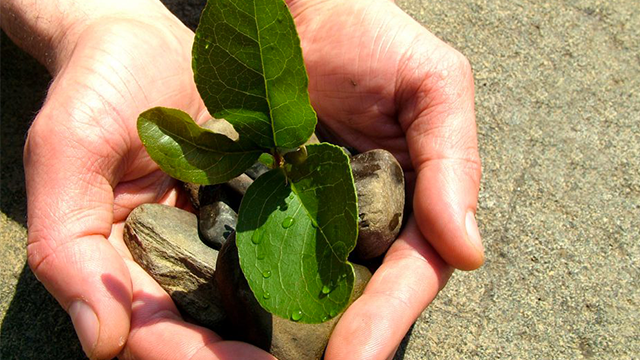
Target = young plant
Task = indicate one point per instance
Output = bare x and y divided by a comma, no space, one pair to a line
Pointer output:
297,223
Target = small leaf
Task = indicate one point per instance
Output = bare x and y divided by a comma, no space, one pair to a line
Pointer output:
249,70
294,235
190,153
267,160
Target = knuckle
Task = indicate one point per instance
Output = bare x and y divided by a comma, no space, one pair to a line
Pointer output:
454,70
454,62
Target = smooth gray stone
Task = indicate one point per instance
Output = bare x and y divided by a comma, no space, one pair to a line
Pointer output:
379,182
256,170
216,222
164,241
248,321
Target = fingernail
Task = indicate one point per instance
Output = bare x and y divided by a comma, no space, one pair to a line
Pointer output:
86,324
473,234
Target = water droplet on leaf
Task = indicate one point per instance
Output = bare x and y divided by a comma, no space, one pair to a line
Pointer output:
266,274
296,315
287,222
256,238
326,289
266,295
333,313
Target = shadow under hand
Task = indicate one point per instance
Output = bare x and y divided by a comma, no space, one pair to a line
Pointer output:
22,89
35,326
402,348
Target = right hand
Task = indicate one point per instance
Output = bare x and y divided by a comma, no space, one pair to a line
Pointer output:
86,169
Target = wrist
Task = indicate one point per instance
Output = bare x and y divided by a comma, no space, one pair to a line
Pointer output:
49,30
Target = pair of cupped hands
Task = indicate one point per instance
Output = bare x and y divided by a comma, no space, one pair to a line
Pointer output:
377,78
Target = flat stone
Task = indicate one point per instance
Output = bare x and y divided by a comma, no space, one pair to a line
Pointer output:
249,322
239,184
216,222
164,241
379,182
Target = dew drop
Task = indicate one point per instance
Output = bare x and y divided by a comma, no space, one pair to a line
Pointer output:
266,295
296,315
266,274
326,289
261,254
287,222
256,238
333,313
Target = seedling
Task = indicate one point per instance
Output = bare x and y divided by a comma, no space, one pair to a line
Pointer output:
297,223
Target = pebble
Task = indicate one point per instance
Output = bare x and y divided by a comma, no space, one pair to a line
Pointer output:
379,181
216,222
164,241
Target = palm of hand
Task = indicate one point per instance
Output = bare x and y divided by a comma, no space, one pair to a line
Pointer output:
112,77
354,55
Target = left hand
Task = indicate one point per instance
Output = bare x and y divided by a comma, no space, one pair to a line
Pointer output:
378,79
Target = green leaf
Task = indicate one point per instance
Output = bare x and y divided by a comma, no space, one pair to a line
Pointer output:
249,70
267,160
294,235
190,153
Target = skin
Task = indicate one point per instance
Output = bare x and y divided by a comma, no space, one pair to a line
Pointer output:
377,80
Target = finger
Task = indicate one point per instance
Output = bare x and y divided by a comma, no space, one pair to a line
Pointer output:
70,204
407,281
437,102
158,331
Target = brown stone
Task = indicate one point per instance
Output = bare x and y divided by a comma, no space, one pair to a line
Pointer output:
379,182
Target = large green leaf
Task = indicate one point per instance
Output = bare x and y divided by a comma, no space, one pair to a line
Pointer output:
190,153
294,235
249,70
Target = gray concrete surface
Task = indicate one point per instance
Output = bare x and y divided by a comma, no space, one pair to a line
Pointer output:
558,109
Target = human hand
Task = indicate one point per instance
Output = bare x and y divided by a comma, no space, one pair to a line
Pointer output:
378,79
86,169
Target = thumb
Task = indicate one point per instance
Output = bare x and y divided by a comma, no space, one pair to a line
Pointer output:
441,135
70,211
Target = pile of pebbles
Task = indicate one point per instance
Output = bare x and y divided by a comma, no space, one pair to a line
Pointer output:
195,258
